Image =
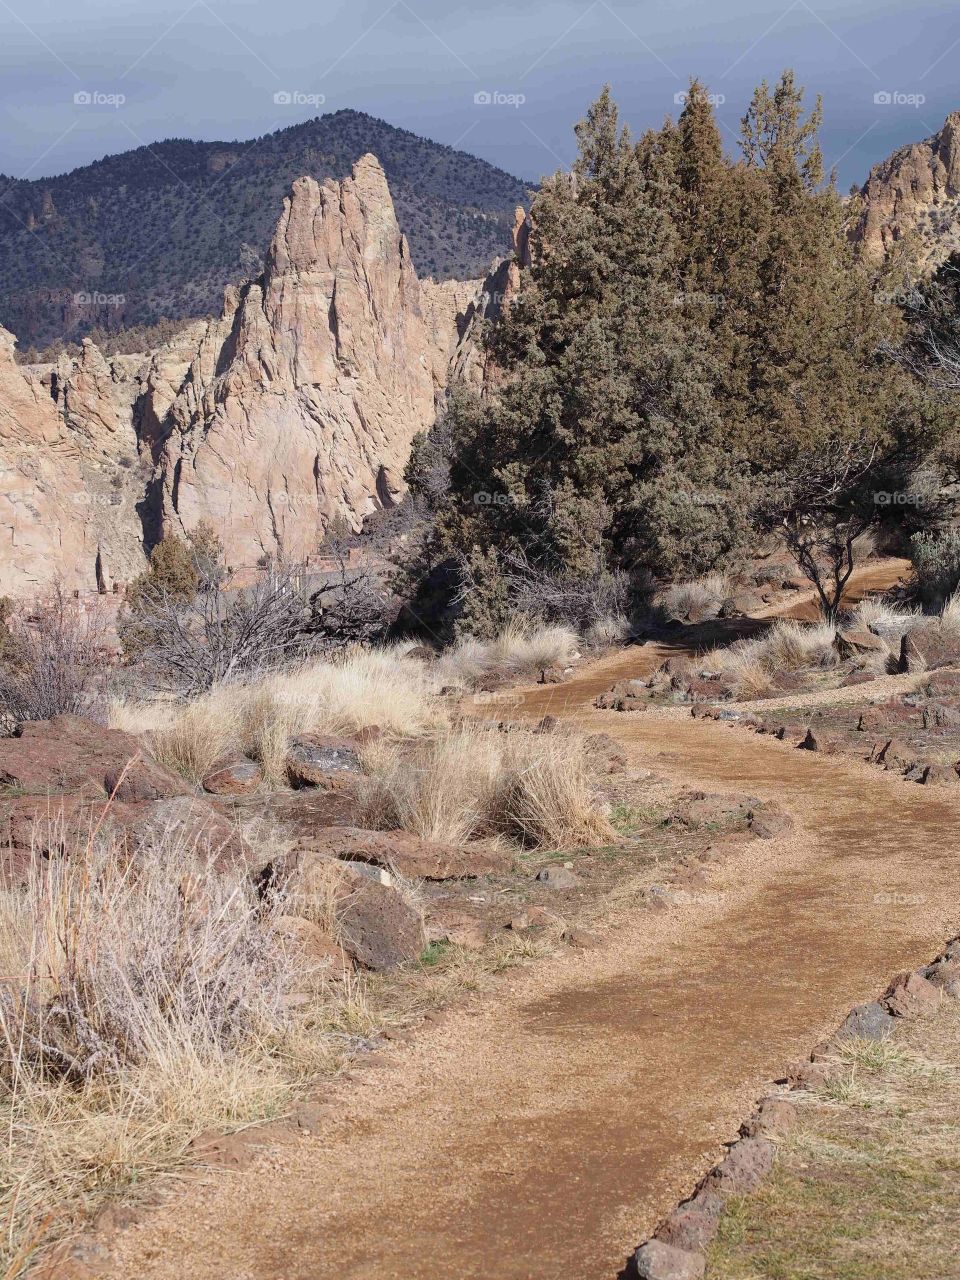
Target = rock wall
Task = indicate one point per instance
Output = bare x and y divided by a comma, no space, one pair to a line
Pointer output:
303,399
915,192
297,405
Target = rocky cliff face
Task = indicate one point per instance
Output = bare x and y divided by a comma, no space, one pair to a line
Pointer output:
915,193
297,405
302,400
69,494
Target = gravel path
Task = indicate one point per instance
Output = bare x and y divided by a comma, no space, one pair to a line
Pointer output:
542,1131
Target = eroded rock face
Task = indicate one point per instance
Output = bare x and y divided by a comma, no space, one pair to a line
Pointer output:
298,405
303,399
67,507
916,192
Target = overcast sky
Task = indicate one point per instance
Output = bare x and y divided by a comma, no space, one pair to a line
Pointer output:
211,69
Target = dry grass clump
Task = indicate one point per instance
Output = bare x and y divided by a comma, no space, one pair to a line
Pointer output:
258,718
614,629
468,782
520,652
699,600
141,1005
753,665
885,619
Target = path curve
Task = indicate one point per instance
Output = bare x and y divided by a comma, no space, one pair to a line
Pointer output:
544,1130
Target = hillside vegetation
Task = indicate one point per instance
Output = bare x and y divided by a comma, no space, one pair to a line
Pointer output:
165,227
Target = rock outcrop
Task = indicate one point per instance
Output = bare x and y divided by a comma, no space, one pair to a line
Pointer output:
303,399
297,406
915,192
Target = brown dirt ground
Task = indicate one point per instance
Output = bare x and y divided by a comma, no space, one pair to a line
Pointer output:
545,1129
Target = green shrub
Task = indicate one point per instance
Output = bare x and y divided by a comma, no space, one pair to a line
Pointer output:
936,564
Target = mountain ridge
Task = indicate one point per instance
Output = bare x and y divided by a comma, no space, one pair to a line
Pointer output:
119,243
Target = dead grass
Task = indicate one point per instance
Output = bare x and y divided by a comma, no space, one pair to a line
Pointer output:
520,652
865,1188
700,599
142,1004
753,665
365,687
468,782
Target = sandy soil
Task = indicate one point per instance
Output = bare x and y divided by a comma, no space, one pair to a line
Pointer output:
543,1131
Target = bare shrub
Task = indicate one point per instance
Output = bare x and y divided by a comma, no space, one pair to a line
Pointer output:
753,665
354,604
54,660
190,644
468,783
141,1004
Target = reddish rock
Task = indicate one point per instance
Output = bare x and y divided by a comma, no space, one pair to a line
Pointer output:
236,776
313,759
745,1165
940,683
815,741
457,927
893,754
70,754
378,928
604,753
553,675
911,995
773,1118
312,942
193,824
855,678
693,1224
768,821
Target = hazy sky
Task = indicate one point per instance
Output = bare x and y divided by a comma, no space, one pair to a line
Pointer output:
211,69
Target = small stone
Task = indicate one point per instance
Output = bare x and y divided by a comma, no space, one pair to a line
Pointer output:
866,1022
911,995
745,1165
658,1261
558,878
312,759
773,1118
693,1224
236,776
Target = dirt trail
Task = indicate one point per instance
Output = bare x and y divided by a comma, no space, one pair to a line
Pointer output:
543,1131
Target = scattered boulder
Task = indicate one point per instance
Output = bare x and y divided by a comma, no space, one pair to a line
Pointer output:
927,647
869,1021
71,754
658,1261
815,741
312,942
857,677
767,821
377,927
554,675
312,759
626,695
911,995
893,754
233,776
453,925
851,643
194,824
772,1119
604,754
940,683
939,715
